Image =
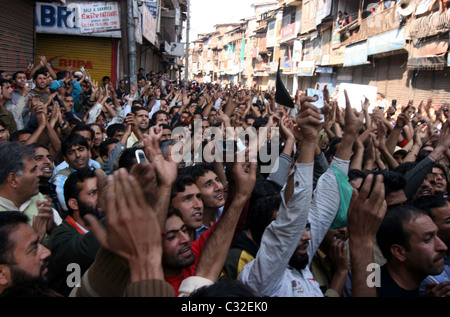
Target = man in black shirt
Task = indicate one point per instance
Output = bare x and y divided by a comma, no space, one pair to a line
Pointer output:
408,239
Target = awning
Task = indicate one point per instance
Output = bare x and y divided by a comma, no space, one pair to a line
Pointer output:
428,54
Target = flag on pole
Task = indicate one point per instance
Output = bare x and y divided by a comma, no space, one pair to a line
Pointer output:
282,96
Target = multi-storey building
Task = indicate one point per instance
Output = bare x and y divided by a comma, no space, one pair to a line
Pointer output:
94,35
399,48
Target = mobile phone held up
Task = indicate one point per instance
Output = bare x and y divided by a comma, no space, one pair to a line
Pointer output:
318,95
140,156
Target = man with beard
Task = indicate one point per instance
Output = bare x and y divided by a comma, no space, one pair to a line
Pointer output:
281,267
142,123
23,259
71,242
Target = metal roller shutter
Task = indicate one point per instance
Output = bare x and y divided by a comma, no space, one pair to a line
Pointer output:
16,34
369,75
94,54
358,75
398,79
423,85
441,86
382,71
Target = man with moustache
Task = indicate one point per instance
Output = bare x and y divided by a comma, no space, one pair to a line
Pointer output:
187,198
6,94
408,239
142,121
45,165
19,188
19,98
71,242
281,267
23,259
76,152
438,208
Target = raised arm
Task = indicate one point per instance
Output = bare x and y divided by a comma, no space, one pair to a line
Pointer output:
365,214
213,256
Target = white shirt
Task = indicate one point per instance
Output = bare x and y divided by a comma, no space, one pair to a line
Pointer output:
270,274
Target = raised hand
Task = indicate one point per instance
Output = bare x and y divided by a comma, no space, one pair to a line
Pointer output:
132,230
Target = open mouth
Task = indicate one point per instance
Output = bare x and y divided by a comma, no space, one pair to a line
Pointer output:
198,216
185,252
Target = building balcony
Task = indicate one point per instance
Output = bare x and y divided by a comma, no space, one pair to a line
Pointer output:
375,24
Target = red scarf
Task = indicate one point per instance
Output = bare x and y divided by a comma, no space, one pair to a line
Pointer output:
73,223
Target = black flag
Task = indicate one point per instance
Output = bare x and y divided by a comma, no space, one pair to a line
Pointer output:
282,96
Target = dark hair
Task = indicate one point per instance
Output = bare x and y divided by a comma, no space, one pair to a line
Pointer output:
159,112
17,73
4,81
113,128
135,109
84,127
392,229
103,149
261,215
73,140
332,145
127,159
9,220
15,135
441,167
174,212
166,126
138,102
41,71
60,75
180,184
426,203
200,169
393,181
71,187
355,173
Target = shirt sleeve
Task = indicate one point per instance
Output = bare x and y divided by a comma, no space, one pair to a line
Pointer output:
280,239
59,181
325,204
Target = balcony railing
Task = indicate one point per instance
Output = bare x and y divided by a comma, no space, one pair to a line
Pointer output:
374,24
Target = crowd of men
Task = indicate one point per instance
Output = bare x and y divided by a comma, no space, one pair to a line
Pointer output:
95,201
